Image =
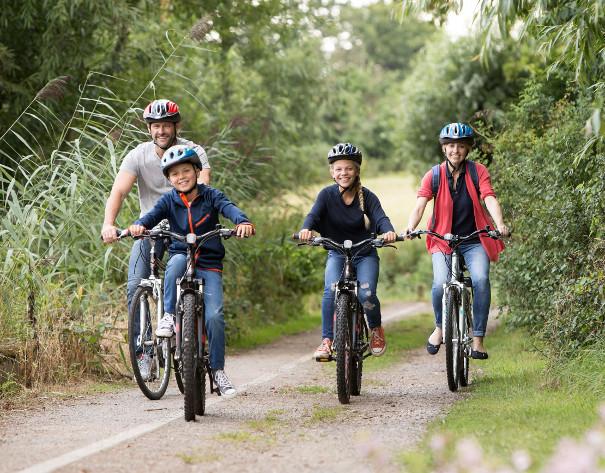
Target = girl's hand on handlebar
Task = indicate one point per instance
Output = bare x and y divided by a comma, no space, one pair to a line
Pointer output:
389,237
244,230
136,230
305,235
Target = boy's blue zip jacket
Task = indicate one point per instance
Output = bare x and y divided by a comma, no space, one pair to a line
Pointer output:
198,216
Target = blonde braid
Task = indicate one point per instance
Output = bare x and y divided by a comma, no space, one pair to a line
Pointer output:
362,203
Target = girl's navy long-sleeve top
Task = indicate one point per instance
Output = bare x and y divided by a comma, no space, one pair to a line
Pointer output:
198,216
334,219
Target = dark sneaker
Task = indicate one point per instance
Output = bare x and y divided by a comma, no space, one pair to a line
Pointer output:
223,384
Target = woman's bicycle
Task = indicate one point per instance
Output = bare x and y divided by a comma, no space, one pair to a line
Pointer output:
150,356
351,333
457,304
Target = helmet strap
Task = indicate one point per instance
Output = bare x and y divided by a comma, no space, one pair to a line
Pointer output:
345,189
455,168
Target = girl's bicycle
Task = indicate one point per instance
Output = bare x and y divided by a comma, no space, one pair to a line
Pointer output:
457,304
351,334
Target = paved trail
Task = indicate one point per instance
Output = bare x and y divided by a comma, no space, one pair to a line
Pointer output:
287,418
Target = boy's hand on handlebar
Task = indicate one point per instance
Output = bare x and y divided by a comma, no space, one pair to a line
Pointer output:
136,230
305,235
244,230
389,237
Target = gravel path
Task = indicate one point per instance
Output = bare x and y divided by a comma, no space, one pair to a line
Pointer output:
286,418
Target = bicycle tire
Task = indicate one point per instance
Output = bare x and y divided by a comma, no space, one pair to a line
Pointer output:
465,329
342,346
177,375
357,362
189,352
200,380
155,386
451,334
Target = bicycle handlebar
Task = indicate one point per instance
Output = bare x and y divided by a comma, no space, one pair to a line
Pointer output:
341,247
156,234
455,239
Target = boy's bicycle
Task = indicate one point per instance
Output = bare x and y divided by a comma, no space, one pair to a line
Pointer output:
351,334
457,305
191,354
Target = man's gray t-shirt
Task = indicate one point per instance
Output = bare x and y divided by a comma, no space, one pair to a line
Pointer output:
144,163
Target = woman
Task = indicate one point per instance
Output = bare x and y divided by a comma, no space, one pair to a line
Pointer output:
460,183
348,211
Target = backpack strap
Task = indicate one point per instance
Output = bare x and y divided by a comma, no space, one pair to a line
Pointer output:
435,179
472,169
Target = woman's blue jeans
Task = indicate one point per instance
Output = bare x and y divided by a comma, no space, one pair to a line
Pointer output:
477,263
213,304
367,275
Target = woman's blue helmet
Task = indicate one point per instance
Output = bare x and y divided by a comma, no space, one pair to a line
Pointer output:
178,154
457,132
345,151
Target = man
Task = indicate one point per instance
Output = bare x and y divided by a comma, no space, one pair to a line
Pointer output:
142,165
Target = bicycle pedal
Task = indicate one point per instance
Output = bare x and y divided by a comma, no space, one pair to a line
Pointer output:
324,360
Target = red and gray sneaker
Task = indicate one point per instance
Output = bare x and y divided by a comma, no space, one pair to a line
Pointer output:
378,344
323,351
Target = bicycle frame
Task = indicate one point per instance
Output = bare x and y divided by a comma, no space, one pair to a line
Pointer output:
155,283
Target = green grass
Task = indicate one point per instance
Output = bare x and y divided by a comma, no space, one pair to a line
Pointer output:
313,389
515,405
323,414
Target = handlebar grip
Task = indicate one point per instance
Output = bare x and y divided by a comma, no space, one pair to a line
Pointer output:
295,236
400,237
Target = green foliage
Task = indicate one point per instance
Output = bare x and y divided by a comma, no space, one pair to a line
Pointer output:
448,84
551,277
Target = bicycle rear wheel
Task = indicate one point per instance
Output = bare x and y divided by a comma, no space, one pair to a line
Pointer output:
342,345
149,355
465,334
451,337
359,341
189,356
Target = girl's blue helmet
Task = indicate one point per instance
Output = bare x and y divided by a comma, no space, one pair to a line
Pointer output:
345,151
178,154
454,132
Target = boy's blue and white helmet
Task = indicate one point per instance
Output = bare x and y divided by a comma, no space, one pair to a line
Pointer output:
345,151
457,132
179,154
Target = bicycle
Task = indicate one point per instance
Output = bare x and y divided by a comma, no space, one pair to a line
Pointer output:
457,302
351,333
190,355
147,302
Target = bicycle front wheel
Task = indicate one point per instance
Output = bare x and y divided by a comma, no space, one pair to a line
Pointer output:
189,356
149,355
342,345
359,342
451,336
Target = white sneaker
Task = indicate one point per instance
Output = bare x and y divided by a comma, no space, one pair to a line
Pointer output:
166,326
223,384
144,364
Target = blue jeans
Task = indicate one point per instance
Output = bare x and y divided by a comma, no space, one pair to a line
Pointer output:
367,275
213,304
477,263
138,268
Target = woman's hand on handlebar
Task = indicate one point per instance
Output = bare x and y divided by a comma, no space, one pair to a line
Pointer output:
136,230
504,230
305,234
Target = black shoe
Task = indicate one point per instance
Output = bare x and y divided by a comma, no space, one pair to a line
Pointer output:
479,355
432,349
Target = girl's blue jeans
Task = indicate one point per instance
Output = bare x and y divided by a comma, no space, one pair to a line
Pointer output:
213,304
477,263
367,275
